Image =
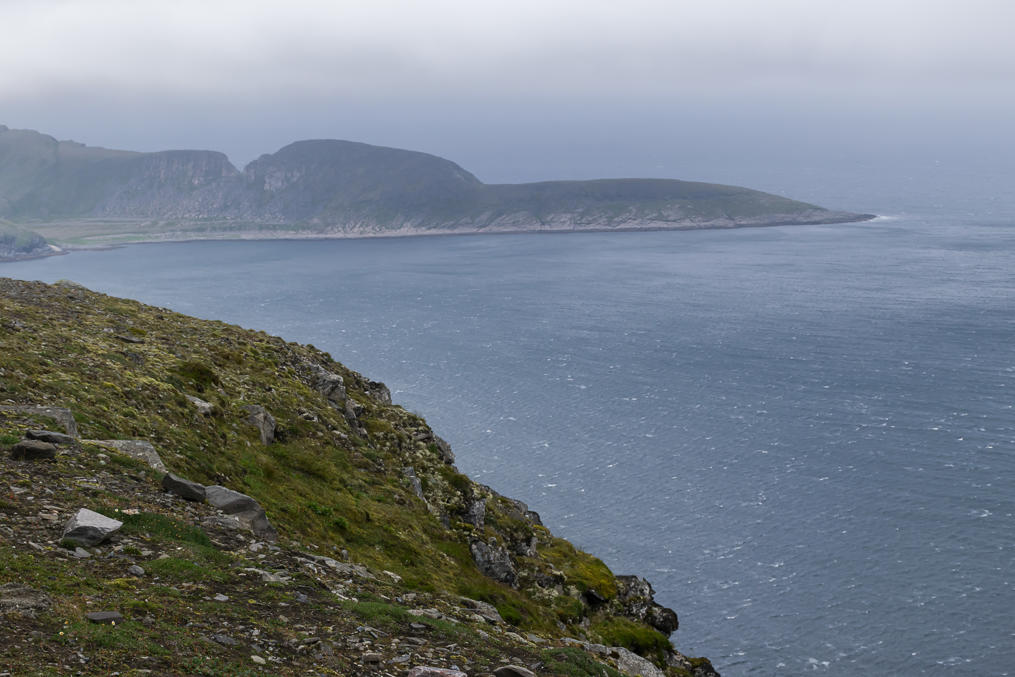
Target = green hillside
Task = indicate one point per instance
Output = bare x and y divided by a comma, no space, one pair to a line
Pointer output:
371,524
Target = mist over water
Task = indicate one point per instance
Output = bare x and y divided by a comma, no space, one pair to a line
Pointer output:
803,436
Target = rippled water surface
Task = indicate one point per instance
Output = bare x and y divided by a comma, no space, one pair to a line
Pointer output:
804,437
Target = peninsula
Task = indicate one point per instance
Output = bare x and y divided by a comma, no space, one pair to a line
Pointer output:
77,195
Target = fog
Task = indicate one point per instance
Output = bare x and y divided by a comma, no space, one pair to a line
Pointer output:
731,90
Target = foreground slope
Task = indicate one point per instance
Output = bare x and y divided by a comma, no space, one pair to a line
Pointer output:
327,188
379,556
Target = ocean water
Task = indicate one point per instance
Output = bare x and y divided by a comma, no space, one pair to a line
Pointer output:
803,436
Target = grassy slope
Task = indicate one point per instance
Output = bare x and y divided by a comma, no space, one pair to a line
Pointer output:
321,483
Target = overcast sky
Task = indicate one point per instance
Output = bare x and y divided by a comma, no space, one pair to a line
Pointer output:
522,90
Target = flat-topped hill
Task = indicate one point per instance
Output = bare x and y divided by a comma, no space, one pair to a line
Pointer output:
75,193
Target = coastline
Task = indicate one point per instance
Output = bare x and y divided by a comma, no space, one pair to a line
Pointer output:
362,234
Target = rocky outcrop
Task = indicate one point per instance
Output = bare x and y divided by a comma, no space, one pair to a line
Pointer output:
142,450
637,600
259,417
494,561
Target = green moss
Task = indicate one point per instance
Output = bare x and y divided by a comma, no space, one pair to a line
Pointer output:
575,663
581,569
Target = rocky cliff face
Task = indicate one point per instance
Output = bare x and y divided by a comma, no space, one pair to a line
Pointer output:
189,497
345,188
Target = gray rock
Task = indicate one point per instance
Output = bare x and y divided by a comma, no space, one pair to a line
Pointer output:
17,598
372,658
632,664
494,561
81,553
414,482
105,617
259,417
476,513
488,611
50,436
444,449
513,671
89,528
135,570
62,416
203,408
191,491
332,386
33,450
426,671
142,450
220,598
637,599
224,640
257,659
249,511
379,391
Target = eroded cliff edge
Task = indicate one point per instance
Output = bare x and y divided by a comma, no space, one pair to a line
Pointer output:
362,549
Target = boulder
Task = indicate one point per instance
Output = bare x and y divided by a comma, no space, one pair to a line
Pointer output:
249,511
485,609
494,561
414,481
203,408
49,436
191,491
61,415
88,527
142,450
632,664
33,450
105,617
259,417
513,671
427,671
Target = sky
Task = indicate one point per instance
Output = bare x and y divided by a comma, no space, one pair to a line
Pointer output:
527,90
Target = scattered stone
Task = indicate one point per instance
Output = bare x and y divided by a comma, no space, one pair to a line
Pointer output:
398,660
105,617
33,450
81,553
49,436
513,671
262,420
191,491
203,408
15,597
142,450
494,561
257,659
224,640
426,671
135,570
88,527
220,598
372,658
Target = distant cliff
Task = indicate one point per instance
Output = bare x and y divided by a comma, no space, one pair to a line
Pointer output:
18,243
342,188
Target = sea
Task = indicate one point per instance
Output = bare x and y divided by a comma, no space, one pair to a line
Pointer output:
804,437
